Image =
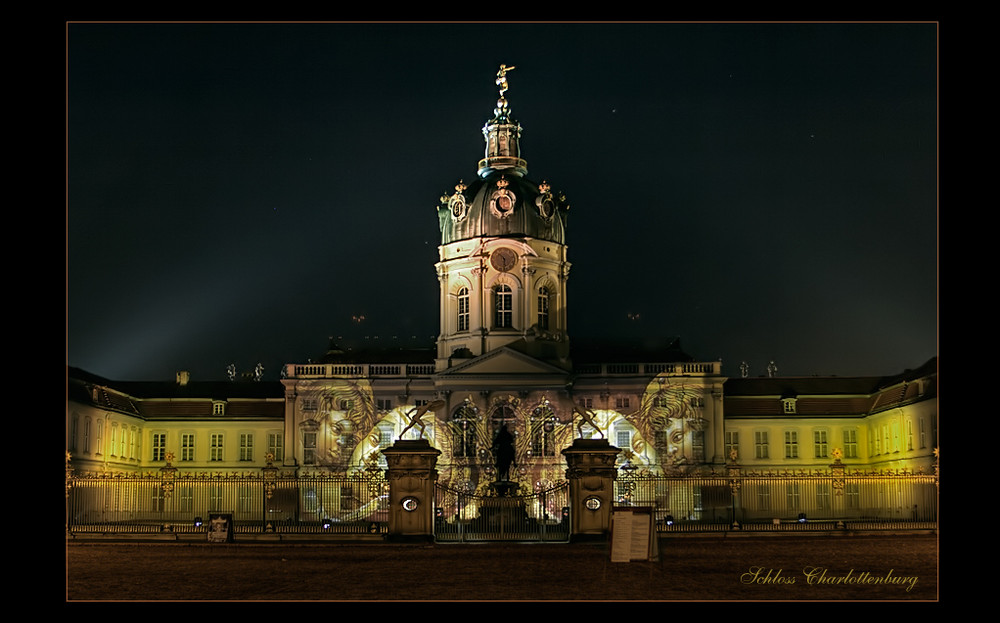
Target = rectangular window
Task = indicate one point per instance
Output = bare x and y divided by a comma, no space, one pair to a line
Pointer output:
218,408
850,443
543,308
732,444
698,445
623,439
123,443
159,446
346,404
216,447
923,434
760,444
309,448
131,442
383,404
895,436
852,491
309,404
588,403
909,434
421,402
463,310
99,437
185,499
276,446
885,439
246,447
504,307
187,447
791,444
823,496
114,439
86,435
819,443
792,496
622,402
384,436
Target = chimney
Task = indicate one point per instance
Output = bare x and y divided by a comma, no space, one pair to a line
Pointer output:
183,377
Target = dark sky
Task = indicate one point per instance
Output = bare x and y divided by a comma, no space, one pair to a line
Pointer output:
238,192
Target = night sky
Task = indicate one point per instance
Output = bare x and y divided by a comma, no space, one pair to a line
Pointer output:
239,192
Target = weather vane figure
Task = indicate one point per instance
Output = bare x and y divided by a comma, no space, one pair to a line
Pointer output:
502,78
415,416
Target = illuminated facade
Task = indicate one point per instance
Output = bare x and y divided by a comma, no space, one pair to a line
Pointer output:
503,358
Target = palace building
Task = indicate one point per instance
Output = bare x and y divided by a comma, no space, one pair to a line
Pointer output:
504,358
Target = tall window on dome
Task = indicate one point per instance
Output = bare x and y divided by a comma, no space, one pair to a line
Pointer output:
504,307
463,309
543,308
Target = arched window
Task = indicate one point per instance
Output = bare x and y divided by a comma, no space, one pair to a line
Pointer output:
503,307
543,308
463,309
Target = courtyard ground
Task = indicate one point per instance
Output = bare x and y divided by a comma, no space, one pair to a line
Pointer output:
744,568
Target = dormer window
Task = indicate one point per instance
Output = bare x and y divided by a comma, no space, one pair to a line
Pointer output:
788,405
218,407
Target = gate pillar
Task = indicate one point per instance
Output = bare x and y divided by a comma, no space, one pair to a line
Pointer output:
411,477
591,475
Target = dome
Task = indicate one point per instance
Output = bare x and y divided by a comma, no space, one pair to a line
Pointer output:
502,201
501,204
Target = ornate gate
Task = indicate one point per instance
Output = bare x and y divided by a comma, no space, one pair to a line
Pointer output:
463,516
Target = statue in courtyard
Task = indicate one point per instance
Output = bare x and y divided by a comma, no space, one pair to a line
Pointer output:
503,452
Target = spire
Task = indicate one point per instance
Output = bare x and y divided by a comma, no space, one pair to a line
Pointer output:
503,135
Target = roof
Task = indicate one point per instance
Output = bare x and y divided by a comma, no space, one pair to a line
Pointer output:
209,390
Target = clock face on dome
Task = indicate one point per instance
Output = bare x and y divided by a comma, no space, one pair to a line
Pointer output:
503,259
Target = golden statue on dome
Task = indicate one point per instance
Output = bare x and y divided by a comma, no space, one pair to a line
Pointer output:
502,78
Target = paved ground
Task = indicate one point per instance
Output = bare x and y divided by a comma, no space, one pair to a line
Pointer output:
711,568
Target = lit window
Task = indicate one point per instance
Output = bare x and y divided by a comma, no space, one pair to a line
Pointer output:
246,447
732,443
823,496
216,447
463,309
788,405
850,444
309,448
791,444
275,446
114,438
543,308
218,407
909,434
792,495
159,446
820,444
698,445
187,447
760,444
99,437
503,307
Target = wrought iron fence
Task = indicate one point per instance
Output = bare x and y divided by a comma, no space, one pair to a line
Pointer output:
784,501
262,502
464,516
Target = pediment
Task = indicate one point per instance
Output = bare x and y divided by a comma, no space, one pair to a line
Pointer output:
503,361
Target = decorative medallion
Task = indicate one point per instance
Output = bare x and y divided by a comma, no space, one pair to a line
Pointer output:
502,201
503,259
459,209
